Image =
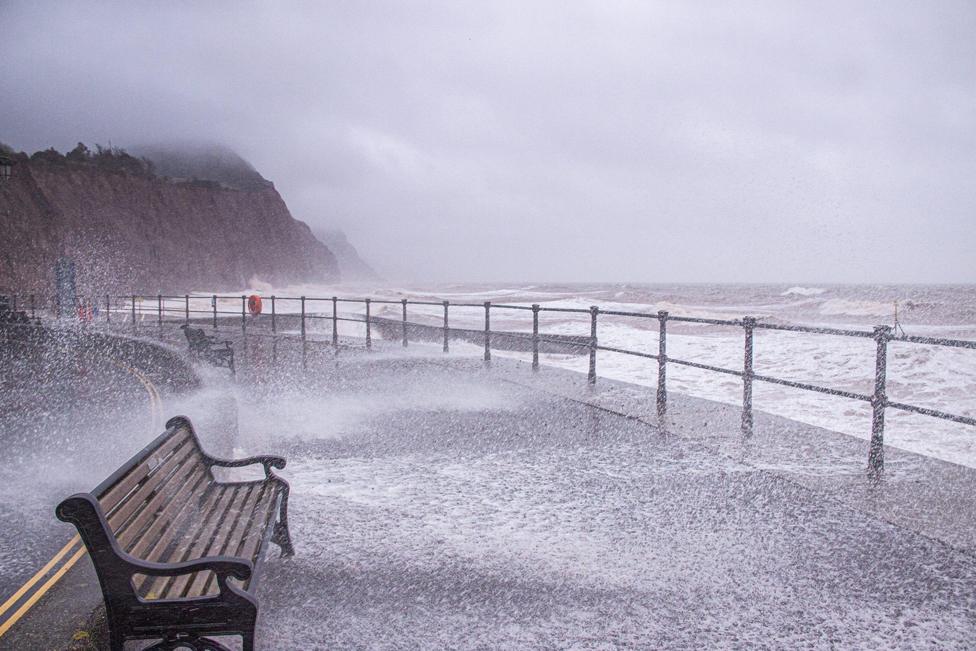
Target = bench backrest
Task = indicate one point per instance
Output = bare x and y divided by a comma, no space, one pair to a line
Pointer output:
195,336
143,488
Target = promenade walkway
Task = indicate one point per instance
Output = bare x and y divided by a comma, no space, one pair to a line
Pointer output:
439,504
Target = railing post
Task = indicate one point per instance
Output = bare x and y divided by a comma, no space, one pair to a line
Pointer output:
487,331
243,313
159,309
369,333
748,323
662,363
535,336
304,347
591,376
108,307
133,311
404,302
213,305
274,325
446,329
186,309
335,322
882,334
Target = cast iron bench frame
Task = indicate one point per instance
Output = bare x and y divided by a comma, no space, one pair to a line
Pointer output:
179,622
207,347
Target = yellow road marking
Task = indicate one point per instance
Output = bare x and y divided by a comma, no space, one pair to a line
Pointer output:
15,597
156,415
41,592
155,401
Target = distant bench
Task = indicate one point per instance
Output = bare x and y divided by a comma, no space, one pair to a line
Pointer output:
178,553
218,353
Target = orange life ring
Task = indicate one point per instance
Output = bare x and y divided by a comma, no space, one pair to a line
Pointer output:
254,304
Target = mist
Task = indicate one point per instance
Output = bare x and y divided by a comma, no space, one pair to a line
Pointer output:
644,142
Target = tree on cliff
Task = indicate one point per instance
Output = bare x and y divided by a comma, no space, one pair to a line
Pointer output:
80,154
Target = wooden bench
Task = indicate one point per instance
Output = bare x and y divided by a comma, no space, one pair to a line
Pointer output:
218,353
178,553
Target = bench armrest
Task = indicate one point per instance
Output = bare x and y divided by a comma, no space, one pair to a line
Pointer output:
266,460
222,566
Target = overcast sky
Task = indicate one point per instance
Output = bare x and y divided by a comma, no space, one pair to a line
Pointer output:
644,141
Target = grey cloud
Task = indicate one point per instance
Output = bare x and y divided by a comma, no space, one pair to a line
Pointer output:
550,140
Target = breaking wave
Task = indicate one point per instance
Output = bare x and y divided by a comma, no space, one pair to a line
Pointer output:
803,291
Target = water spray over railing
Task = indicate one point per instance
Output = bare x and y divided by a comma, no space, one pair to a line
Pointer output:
161,307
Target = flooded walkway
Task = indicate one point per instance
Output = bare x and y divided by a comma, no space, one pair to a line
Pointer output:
434,509
438,504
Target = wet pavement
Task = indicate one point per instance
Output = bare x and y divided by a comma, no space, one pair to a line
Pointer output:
439,504
457,510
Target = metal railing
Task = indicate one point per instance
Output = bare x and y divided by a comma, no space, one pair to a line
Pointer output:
137,307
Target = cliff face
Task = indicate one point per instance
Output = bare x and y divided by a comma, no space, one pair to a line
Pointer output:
353,267
129,230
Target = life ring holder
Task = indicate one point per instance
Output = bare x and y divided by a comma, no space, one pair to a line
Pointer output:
254,304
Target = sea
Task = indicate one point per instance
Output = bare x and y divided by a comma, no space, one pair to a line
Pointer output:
935,377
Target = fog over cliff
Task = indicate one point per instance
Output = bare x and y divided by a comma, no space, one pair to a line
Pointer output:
653,141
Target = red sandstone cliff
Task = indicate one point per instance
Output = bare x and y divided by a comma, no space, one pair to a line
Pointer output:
129,230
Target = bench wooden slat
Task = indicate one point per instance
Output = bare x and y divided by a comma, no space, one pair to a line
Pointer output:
164,532
238,519
200,541
245,523
250,545
176,465
175,545
141,471
164,508
263,513
160,549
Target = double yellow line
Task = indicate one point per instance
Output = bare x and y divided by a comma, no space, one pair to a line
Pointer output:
56,565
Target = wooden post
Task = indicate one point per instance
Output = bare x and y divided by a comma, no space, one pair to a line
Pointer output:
882,334
662,363
446,329
404,301
748,323
369,334
591,376
535,336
